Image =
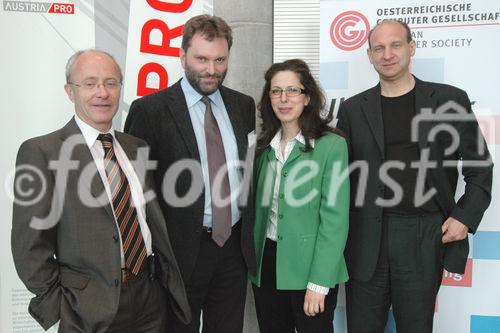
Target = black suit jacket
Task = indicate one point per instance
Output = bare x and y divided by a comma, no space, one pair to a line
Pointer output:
72,263
360,118
162,119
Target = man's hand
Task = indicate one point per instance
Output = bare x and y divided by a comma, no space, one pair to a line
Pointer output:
314,303
453,230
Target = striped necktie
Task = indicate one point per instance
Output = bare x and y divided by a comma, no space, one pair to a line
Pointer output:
134,248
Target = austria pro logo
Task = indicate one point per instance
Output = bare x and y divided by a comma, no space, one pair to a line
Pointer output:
349,30
39,7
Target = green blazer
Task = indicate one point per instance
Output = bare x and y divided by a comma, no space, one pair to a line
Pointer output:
313,213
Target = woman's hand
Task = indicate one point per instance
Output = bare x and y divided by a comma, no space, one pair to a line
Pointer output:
314,303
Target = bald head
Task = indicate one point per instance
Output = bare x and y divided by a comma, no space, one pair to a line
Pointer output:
403,25
94,87
70,65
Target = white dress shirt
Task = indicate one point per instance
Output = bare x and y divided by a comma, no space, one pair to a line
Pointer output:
138,201
272,226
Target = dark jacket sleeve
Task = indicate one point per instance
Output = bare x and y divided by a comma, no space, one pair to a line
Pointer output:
477,170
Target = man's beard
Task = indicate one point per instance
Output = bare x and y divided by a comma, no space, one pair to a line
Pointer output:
194,79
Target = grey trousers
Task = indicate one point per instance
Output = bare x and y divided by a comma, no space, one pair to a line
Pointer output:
142,308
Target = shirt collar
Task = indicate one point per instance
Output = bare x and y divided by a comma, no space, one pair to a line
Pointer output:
275,142
90,133
193,97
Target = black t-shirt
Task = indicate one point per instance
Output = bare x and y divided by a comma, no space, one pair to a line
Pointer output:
397,114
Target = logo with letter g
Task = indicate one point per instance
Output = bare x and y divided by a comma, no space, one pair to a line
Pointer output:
349,30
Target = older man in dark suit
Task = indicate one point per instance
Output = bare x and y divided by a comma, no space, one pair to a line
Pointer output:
94,252
200,127
405,224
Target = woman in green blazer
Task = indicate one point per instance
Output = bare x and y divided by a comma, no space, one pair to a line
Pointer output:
302,204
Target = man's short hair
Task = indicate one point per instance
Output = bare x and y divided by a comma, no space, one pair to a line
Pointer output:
409,38
209,26
71,62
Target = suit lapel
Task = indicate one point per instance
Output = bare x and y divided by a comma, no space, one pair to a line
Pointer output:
179,111
130,148
423,100
138,161
295,153
372,110
270,154
137,157
231,104
81,153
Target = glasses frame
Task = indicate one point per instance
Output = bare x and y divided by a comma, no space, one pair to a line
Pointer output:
301,91
97,86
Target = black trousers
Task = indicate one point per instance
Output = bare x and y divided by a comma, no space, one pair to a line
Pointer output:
408,276
217,287
282,311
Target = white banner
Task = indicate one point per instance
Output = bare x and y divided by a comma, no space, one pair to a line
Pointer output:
154,39
37,39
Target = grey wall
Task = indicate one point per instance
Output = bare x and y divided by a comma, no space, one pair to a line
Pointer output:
251,55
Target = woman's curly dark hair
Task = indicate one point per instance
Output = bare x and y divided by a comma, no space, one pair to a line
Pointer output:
311,123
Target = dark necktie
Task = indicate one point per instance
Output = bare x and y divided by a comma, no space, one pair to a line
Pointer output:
134,248
221,215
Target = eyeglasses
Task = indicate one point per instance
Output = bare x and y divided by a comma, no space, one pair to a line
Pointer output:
92,85
290,91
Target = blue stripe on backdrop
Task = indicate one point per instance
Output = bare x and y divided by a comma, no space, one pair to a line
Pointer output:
338,74
484,324
486,245
429,69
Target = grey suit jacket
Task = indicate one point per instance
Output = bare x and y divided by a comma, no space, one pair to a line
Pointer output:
162,120
67,252
360,118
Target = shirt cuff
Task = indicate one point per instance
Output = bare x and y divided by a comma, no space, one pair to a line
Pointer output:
319,289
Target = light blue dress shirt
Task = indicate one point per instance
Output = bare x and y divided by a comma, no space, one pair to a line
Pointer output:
197,113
